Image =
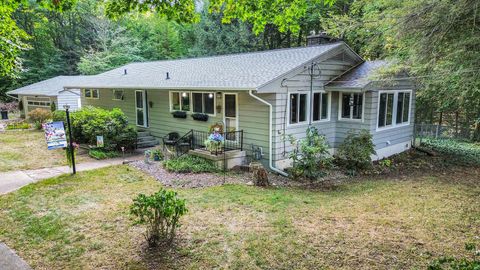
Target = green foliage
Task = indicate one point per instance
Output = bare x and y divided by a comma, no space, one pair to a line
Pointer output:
161,213
156,154
99,154
18,125
53,107
450,263
90,122
310,155
59,116
190,164
386,163
465,152
355,151
39,116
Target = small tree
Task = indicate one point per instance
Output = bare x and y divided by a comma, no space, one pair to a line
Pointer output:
39,116
160,212
53,106
356,150
310,155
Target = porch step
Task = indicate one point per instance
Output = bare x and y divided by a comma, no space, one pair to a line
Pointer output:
145,140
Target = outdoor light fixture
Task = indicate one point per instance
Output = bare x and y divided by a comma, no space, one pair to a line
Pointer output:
70,139
66,106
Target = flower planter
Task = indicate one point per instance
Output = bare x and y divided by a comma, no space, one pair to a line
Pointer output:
4,115
179,114
200,117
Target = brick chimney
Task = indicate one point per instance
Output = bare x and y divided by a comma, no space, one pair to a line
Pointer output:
321,38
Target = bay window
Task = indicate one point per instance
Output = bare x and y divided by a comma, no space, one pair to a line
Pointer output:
298,108
393,108
351,106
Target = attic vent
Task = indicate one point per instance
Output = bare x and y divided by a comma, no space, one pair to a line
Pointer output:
320,38
125,72
168,77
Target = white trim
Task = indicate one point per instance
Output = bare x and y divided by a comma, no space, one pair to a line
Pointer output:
329,106
236,111
340,109
144,101
214,102
395,109
307,112
118,90
91,93
270,134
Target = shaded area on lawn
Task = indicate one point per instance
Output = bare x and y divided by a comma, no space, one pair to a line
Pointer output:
82,222
27,150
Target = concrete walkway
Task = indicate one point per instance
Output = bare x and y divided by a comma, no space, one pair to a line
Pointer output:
11,181
9,260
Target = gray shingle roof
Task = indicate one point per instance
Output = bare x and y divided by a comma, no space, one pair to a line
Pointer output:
235,71
360,76
49,87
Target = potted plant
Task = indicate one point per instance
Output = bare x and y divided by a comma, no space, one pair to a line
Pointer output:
156,155
214,143
179,114
200,117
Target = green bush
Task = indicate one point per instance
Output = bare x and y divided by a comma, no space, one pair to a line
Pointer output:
53,106
90,122
450,263
161,213
59,116
465,152
18,125
39,116
355,151
97,153
190,164
310,155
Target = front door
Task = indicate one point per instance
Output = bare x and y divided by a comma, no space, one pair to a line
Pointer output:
231,115
141,108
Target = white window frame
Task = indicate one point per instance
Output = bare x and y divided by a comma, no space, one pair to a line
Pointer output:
394,113
340,107
203,105
117,90
170,94
307,112
91,93
329,106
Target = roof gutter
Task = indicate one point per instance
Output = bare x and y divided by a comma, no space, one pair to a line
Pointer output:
9,95
270,135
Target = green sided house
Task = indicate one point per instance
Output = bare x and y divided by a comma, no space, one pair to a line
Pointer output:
258,97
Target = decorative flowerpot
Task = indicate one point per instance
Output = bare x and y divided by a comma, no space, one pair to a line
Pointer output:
179,114
156,157
200,117
4,115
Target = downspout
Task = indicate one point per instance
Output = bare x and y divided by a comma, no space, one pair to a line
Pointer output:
270,133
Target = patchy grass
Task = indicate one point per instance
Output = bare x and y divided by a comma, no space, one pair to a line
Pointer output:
24,150
82,221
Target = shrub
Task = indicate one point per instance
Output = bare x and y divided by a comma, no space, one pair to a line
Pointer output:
39,116
465,152
451,263
59,116
356,150
310,155
53,106
189,163
97,153
90,122
161,213
18,125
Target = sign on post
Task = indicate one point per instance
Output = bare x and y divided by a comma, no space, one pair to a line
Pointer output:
100,141
55,135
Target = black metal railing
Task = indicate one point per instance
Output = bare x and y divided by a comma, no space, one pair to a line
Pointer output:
232,140
184,144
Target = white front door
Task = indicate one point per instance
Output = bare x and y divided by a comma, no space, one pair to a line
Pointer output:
141,108
230,103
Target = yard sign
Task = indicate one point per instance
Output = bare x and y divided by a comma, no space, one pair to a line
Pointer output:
55,135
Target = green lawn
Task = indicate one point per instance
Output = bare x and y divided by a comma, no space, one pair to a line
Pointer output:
23,150
82,222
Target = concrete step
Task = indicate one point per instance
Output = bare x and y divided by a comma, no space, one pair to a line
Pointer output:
146,138
149,143
143,133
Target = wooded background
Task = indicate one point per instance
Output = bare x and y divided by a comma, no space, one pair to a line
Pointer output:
436,41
